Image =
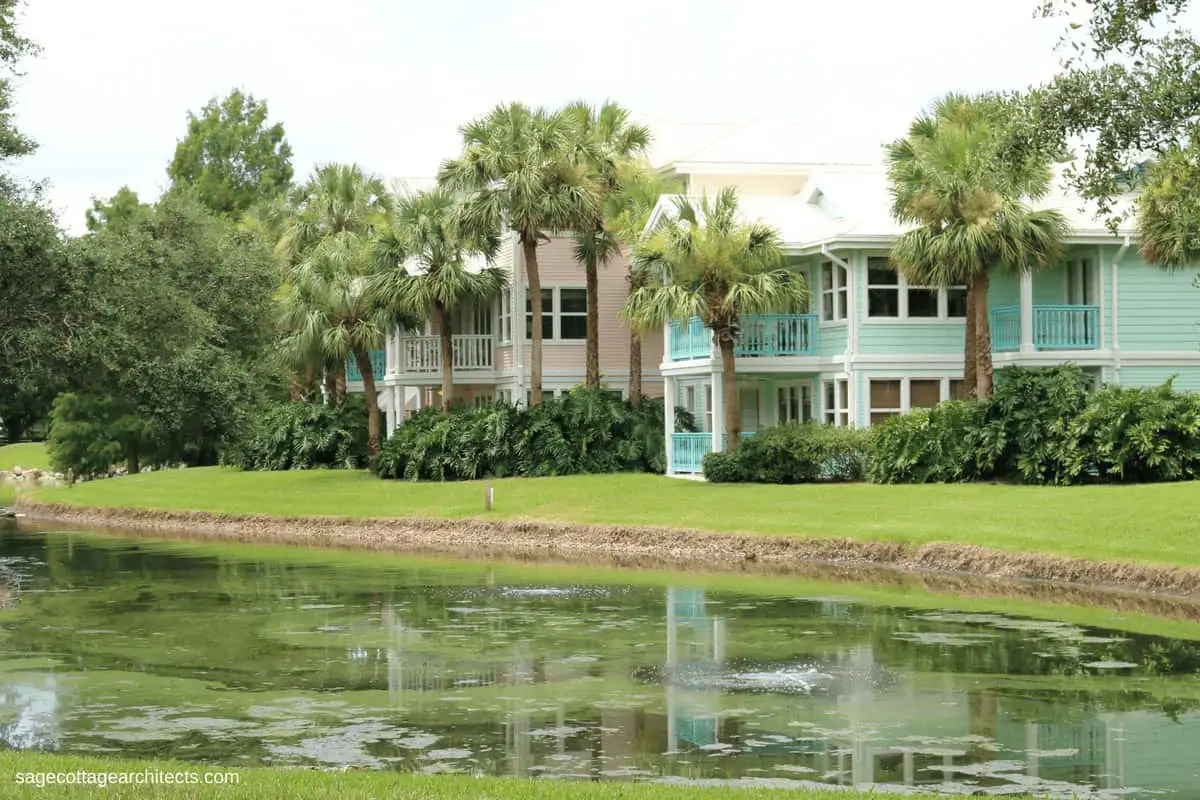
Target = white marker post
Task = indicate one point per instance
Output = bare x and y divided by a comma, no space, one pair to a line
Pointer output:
489,497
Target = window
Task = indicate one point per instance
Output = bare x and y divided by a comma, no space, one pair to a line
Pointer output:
885,400
482,400
837,402
833,292
564,314
794,403
892,396
572,313
890,296
708,395
883,289
506,316
547,315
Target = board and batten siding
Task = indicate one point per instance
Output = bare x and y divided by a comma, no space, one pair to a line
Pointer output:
1159,310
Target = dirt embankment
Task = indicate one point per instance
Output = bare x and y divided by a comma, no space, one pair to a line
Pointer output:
963,569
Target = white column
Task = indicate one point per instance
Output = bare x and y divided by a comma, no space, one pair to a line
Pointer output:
718,410
1026,311
389,395
669,391
393,350
401,404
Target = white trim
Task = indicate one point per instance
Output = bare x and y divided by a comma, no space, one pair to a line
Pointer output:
906,380
902,288
556,314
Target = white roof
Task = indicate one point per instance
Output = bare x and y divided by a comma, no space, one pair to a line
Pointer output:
848,204
762,141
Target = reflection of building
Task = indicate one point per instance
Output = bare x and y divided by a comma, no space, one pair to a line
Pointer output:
36,709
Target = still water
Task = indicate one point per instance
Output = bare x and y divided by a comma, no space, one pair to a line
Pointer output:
211,654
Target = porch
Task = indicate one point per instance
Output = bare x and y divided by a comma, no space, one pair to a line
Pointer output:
764,401
763,335
1056,309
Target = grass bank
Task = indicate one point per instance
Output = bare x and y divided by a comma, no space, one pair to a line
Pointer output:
28,455
18,769
1149,525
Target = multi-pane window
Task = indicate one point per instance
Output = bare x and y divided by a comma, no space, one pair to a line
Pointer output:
890,296
837,402
564,314
834,294
891,396
794,402
506,316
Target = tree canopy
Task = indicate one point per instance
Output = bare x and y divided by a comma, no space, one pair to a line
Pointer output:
232,156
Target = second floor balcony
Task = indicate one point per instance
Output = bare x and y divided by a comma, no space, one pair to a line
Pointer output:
422,355
762,335
1050,327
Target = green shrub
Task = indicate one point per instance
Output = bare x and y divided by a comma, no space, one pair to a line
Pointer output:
303,436
935,445
1140,435
582,432
93,434
1027,433
791,453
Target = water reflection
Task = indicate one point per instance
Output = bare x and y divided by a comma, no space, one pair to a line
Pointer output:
155,650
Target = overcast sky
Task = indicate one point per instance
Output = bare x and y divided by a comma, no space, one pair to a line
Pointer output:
385,83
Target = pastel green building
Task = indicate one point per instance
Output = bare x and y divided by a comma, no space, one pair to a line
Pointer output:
872,346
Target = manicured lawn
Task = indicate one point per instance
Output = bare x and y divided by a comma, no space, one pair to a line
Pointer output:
1146,524
299,784
29,455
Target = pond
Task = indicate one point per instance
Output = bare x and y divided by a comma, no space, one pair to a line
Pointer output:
244,657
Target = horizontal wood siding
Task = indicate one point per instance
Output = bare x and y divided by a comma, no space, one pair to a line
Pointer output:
1049,286
913,338
1004,289
1187,378
1159,310
831,340
504,358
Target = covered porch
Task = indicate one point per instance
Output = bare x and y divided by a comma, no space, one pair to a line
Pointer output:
765,400
1056,309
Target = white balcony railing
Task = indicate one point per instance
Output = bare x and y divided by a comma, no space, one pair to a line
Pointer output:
423,354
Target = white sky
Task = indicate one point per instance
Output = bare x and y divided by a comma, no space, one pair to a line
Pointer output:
385,83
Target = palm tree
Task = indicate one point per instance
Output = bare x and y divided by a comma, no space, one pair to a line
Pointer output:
708,264
428,233
522,169
332,315
611,142
1168,210
337,199
627,213
958,178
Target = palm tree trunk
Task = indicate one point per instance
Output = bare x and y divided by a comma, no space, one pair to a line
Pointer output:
635,368
970,359
374,423
733,411
339,386
983,338
294,389
309,388
591,269
447,339
330,388
529,249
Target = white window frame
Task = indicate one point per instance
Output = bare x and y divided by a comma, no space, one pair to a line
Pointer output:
804,397
506,315
839,414
839,281
901,287
556,314
483,400
906,391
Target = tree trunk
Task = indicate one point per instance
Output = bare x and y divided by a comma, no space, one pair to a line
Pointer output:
970,360
733,411
330,388
983,338
374,423
447,339
529,249
635,368
309,387
593,325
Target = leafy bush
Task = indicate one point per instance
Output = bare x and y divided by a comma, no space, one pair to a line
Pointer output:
1140,435
583,432
791,453
943,444
303,436
92,434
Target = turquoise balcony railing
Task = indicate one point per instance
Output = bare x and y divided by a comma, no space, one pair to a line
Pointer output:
689,449
1006,329
1054,328
761,335
378,366
1066,327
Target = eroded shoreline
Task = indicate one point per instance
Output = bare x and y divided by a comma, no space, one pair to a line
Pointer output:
956,568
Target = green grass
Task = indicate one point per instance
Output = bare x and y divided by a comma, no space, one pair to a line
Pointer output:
28,455
1151,524
315,785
